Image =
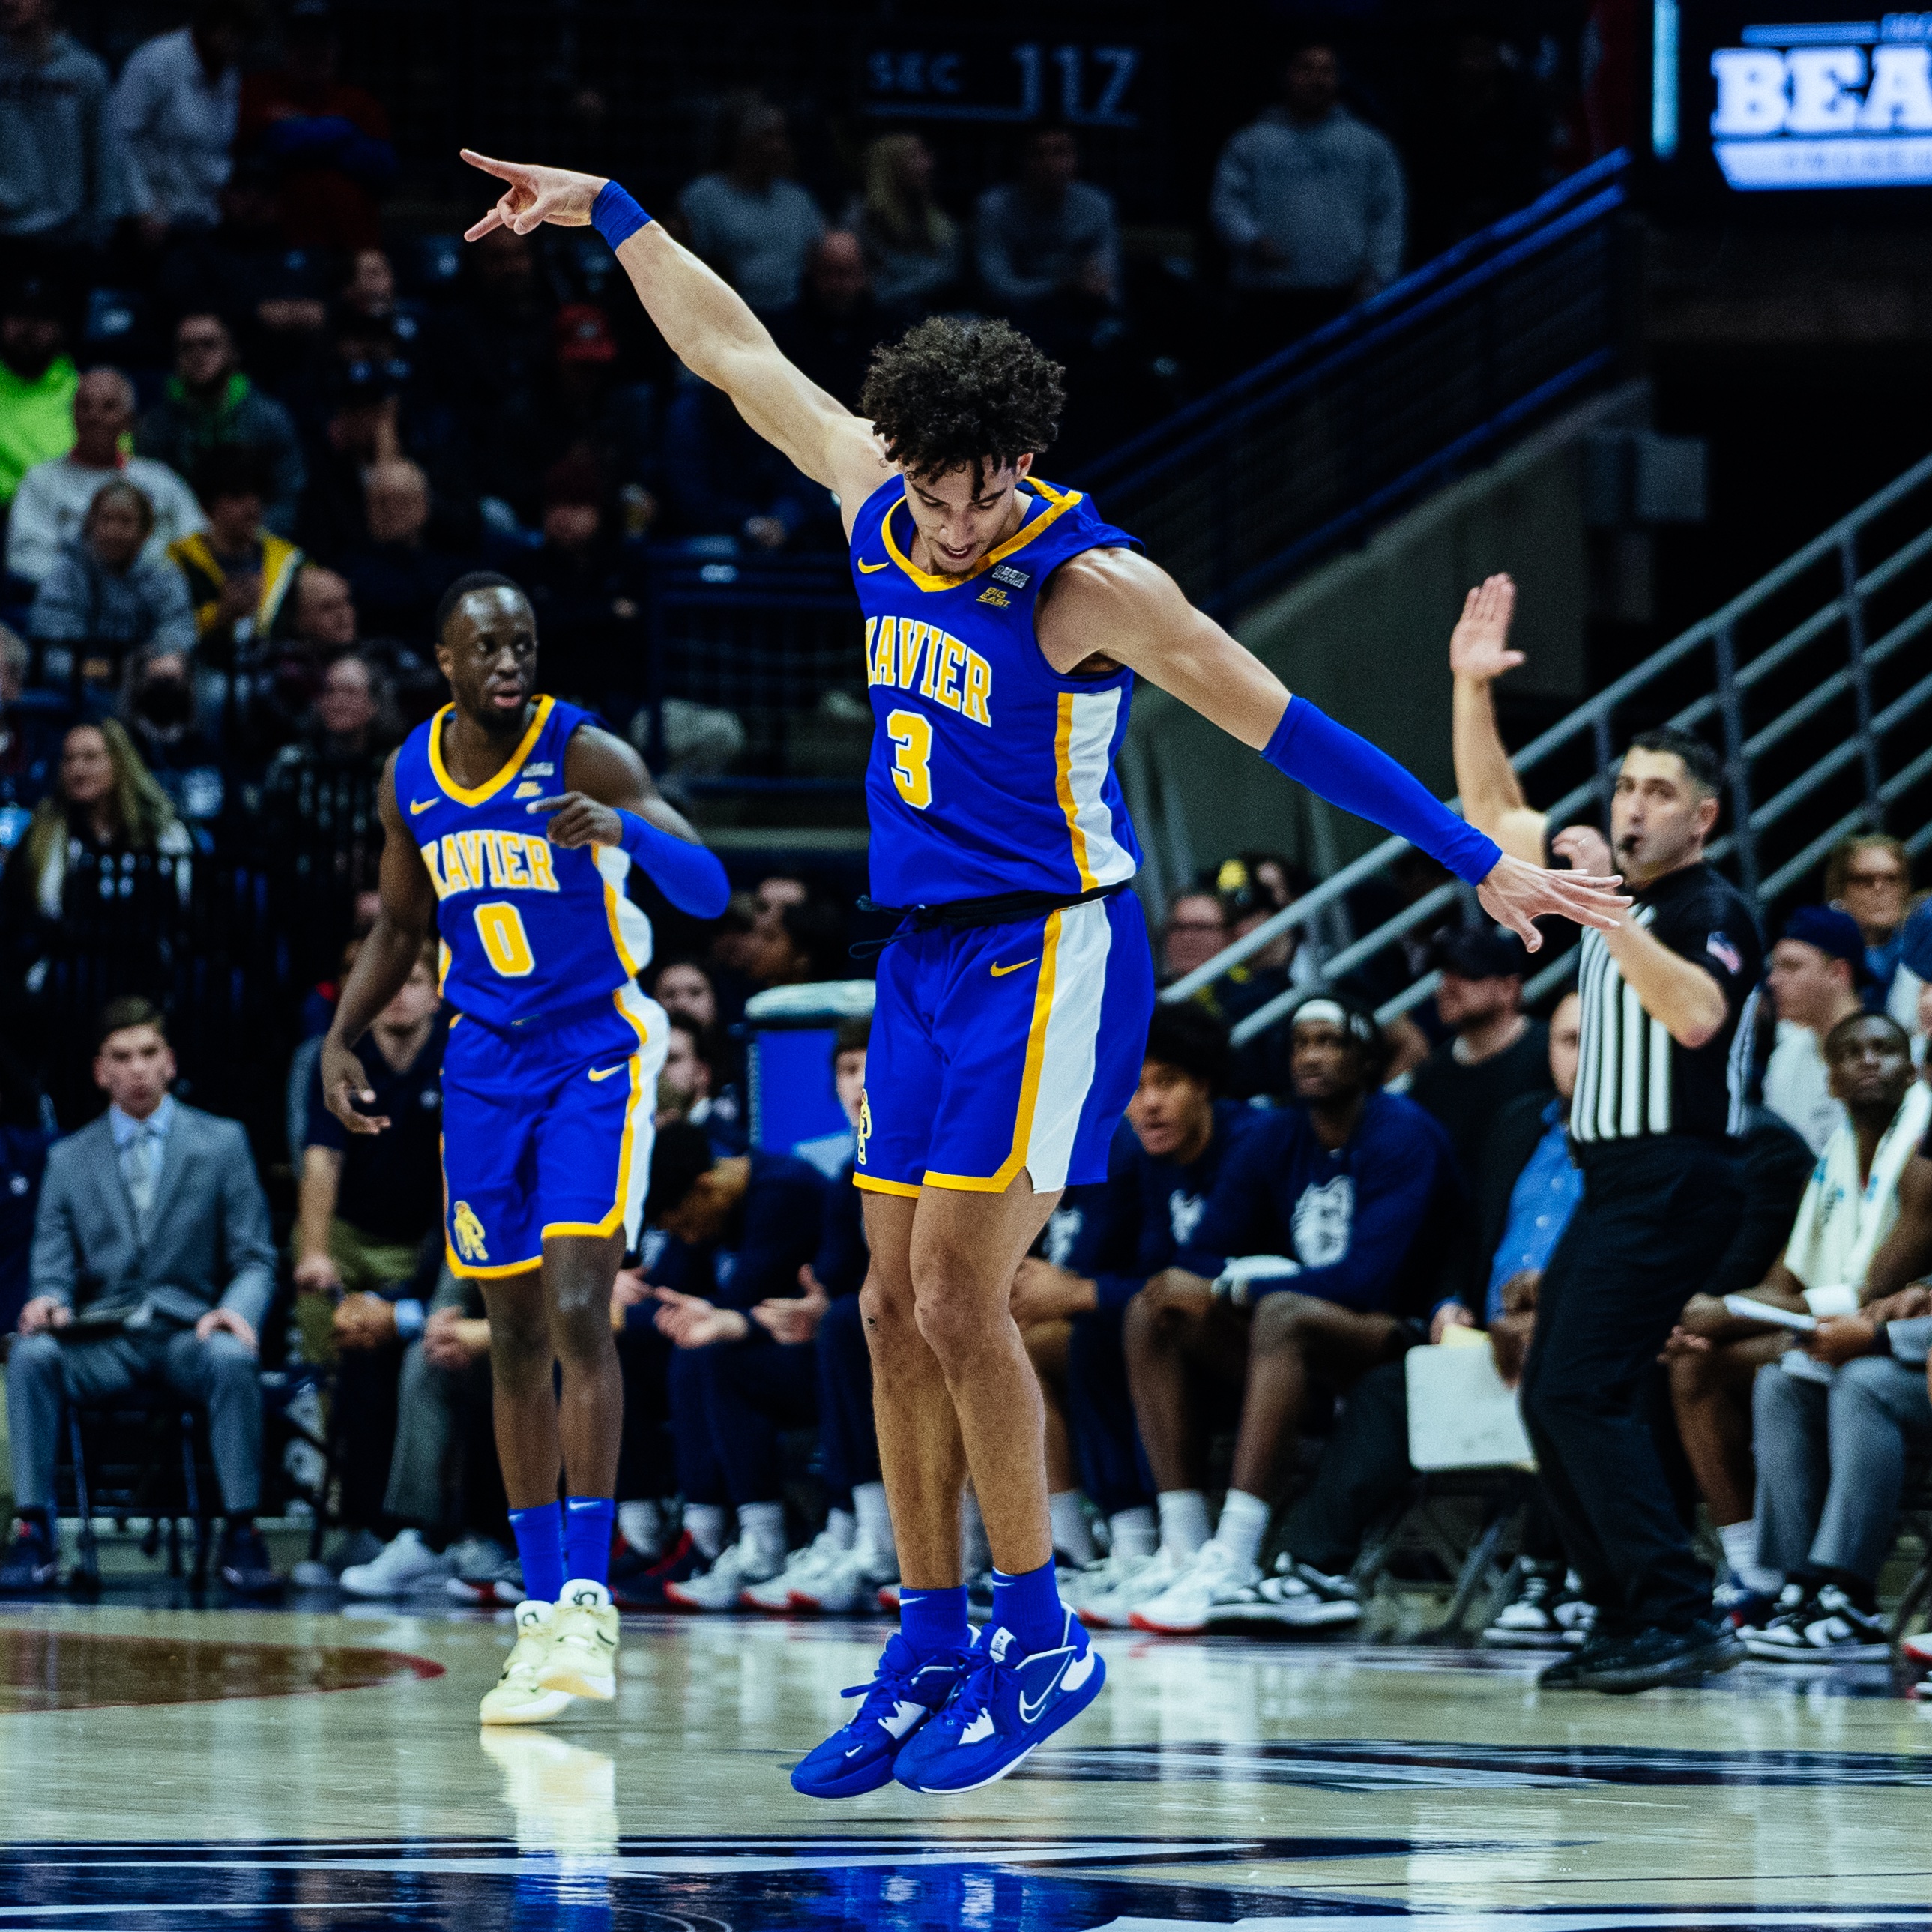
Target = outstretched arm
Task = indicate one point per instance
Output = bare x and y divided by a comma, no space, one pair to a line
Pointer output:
1479,653
1112,604
382,968
710,329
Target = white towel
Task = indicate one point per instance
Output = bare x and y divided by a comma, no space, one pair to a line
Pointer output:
1841,1224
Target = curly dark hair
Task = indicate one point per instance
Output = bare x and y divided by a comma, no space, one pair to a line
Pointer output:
959,395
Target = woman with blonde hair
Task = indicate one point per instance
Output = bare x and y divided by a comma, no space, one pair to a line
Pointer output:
912,245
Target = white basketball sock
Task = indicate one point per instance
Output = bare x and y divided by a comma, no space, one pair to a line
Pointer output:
842,1527
642,1524
875,1522
1244,1520
1072,1534
976,1553
1184,1522
1740,1542
1134,1532
761,1527
706,1523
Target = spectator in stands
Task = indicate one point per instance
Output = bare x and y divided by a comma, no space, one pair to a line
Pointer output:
105,597
394,575
362,1216
26,1132
581,584
173,111
54,497
29,745
158,707
1495,1053
37,378
1330,1224
103,801
1816,972
1481,144
153,1231
1849,1205
804,943
741,1228
912,246
1869,875
831,332
59,158
239,574
362,428
1309,203
210,405
722,481
1100,1248
329,142
754,224
498,338
693,1086
1047,247
684,989
1194,930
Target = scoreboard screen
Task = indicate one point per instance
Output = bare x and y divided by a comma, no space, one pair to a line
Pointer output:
1776,102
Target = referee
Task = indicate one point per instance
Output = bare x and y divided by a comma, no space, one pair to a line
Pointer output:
1667,999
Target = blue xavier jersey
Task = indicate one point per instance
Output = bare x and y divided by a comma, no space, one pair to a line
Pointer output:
528,928
990,773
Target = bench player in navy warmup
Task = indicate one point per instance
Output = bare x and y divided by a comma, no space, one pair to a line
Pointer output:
1005,622
512,823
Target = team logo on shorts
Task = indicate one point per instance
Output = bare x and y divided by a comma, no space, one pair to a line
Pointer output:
865,1129
467,1233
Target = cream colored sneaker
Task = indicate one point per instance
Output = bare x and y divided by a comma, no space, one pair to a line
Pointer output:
518,1696
582,1655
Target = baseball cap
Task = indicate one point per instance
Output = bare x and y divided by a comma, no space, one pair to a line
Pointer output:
1834,933
1479,952
583,334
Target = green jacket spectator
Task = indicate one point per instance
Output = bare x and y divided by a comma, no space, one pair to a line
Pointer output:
37,381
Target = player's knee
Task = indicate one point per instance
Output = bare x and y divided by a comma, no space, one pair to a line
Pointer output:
1284,1321
228,1363
34,1358
885,1310
954,1327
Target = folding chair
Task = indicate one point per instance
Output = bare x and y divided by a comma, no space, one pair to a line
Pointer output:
1483,1566
120,1457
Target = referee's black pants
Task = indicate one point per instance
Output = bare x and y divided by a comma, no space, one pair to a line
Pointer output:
1654,1220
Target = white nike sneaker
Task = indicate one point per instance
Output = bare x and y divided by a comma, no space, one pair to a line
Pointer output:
801,1567
1297,1596
518,1697
1214,1576
1112,1609
849,1581
583,1658
1100,1579
725,1581
406,1564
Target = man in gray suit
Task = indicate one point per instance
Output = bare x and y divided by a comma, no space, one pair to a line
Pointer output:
152,1265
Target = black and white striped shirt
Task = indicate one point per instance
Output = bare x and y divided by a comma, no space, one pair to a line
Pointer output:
1634,1082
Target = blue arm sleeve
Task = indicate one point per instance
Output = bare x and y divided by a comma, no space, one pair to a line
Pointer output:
689,874
1334,763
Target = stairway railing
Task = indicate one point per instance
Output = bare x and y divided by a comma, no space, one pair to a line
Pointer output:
1810,682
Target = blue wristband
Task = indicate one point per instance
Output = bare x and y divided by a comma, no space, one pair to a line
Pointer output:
615,216
688,875
1334,763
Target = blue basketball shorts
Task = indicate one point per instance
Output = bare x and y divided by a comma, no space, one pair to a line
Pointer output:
548,1132
999,1049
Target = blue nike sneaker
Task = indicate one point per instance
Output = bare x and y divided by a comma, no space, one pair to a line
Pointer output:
860,1757
1007,1706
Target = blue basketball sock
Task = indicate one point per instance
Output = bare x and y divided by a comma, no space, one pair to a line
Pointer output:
1029,1606
934,1621
539,1535
587,1522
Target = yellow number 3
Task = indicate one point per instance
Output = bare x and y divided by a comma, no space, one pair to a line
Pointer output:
912,772
500,927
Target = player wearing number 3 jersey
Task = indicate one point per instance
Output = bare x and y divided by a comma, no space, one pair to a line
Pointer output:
513,827
1005,624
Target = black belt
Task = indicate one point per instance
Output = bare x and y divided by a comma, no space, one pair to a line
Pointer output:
999,909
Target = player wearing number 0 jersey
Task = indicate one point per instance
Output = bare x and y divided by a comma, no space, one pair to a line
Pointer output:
1005,622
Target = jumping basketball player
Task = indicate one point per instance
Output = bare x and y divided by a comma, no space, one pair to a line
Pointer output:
1005,622
512,823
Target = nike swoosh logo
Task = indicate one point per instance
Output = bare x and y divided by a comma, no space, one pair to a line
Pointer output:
605,1072
1000,972
420,805
1029,1712
869,568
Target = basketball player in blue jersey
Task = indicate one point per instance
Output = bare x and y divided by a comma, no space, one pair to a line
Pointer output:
1005,622
512,824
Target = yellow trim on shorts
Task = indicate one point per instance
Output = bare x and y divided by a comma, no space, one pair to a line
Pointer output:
873,1184
1035,1055
469,1274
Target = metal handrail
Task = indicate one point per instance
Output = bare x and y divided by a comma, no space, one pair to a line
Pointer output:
1753,817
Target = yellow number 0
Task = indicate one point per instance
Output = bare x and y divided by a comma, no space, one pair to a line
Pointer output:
500,927
911,771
